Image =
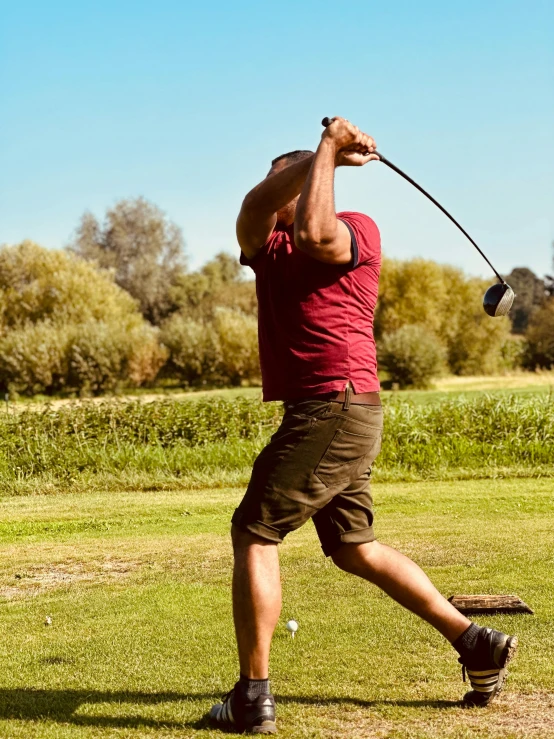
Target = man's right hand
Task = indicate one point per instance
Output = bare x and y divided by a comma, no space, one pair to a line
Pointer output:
346,137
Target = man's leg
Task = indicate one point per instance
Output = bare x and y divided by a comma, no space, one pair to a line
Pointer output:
250,706
256,601
484,652
404,581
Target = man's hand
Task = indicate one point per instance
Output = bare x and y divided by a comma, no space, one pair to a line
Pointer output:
346,158
353,148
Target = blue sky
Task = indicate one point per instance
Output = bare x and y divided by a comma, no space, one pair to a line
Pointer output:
185,103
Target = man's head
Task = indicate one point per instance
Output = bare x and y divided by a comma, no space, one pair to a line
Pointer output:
286,214
292,156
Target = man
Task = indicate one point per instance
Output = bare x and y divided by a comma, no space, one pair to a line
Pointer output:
316,279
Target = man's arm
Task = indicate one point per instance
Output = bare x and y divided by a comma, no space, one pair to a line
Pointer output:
317,230
258,213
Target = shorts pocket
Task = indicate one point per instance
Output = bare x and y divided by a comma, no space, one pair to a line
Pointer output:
347,457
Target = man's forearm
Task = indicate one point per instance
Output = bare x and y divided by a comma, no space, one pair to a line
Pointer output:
316,219
278,189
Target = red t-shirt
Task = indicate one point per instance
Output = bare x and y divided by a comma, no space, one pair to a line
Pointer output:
315,320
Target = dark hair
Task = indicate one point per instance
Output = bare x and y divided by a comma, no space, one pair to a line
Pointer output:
294,156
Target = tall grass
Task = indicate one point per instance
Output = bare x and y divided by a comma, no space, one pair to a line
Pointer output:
214,441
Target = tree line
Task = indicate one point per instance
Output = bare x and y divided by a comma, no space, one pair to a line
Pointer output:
119,307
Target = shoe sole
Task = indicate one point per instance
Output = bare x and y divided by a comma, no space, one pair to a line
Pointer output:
509,650
508,653
267,727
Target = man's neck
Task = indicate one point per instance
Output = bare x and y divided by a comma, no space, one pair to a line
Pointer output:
287,219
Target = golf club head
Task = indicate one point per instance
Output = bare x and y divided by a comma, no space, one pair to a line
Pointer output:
498,299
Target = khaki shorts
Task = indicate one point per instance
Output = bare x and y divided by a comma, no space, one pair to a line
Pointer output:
317,465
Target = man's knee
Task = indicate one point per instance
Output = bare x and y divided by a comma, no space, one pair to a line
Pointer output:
244,539
354,558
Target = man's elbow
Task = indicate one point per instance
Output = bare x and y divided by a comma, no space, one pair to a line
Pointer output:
310,241
249,203
321,248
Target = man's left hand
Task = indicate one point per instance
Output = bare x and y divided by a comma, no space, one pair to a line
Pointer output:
346,158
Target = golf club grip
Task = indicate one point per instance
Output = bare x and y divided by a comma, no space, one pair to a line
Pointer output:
327,121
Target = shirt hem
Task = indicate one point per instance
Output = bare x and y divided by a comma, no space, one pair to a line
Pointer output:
328,387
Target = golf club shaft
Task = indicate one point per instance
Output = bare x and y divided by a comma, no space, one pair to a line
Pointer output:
326,121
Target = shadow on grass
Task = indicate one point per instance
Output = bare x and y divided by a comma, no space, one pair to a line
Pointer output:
60,705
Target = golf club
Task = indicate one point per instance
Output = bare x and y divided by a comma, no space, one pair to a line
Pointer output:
499,298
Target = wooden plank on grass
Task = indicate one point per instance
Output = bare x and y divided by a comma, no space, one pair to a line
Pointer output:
489,604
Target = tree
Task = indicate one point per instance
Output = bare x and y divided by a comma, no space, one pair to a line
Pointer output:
540,337
66,325
220,283
142,247
213,337
223,269
530,293
411,292
549,279
450,305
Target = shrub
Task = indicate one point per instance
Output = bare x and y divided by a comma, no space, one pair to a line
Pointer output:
412,356
475,340
102,355
193,349
238,345
66,326
221,351
34,358
93,357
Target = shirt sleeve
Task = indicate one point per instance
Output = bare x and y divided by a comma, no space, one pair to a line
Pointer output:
258,258
366,240
248,262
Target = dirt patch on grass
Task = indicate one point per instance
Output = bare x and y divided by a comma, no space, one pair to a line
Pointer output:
519,714
69,567
511,715
39,579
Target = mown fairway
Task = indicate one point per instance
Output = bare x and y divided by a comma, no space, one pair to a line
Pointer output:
141,641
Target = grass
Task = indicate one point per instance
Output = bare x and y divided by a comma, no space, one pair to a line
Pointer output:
521,384
450,386
141,641
213,442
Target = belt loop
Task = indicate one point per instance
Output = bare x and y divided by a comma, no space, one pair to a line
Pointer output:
347,394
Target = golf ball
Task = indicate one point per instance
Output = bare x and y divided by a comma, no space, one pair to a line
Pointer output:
48,621
292,626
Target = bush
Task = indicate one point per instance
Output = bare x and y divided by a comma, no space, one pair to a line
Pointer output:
93,357
221,351
412,356
193,349
238,345
34,359
66,326
474,346
103,355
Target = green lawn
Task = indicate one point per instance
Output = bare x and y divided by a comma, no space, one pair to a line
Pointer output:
141,642
451,386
